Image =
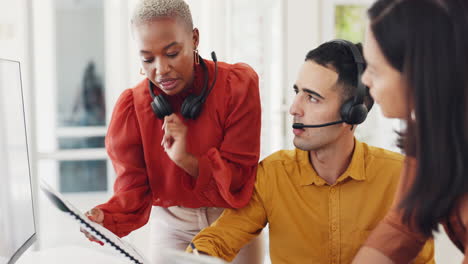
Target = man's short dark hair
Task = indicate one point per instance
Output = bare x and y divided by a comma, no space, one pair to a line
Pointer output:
338,57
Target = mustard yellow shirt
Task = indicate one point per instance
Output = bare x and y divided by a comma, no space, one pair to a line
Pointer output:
309,220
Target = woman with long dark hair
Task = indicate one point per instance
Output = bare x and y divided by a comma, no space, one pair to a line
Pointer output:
417,55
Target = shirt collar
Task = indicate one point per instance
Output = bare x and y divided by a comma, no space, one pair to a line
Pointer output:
355,170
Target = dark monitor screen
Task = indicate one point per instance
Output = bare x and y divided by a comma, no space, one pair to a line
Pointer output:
17,227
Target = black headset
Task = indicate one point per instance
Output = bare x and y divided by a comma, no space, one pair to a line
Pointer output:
193,104
354,110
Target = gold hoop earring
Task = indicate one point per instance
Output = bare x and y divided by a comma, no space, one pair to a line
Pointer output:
142,72
197,57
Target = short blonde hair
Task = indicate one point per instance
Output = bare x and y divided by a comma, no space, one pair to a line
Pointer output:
147,10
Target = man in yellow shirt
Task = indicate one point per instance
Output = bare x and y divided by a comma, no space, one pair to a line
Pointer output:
322,199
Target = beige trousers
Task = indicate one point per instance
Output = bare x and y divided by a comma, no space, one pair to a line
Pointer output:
174,228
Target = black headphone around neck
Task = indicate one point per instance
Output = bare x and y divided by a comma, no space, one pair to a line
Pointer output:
354,110
193,104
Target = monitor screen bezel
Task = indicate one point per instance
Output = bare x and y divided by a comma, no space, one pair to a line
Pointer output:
33,238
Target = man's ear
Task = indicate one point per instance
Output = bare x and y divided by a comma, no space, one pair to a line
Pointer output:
195,38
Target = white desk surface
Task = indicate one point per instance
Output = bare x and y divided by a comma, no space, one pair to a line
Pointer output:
70,255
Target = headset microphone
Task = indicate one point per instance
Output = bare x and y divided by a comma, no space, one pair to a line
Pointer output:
301,126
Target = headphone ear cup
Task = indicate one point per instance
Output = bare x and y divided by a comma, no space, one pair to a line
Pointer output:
161,107
191,107
196,109
359,114
184,109
353,114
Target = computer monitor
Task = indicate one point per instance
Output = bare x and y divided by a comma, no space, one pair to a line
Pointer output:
17,226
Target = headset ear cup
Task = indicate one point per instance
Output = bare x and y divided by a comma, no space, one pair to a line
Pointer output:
353,114
161,107
186,105
345,109
191,107
196,109
358,114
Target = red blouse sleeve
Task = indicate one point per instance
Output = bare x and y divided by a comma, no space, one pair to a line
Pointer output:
231,168
130,206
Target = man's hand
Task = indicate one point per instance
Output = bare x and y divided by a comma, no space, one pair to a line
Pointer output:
174,142
96,215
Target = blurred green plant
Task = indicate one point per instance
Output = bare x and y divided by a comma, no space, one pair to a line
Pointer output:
350,22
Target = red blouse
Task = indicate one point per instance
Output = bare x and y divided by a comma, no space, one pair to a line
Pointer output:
225,138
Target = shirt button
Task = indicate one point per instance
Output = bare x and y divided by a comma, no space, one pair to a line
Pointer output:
333,190
334,227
